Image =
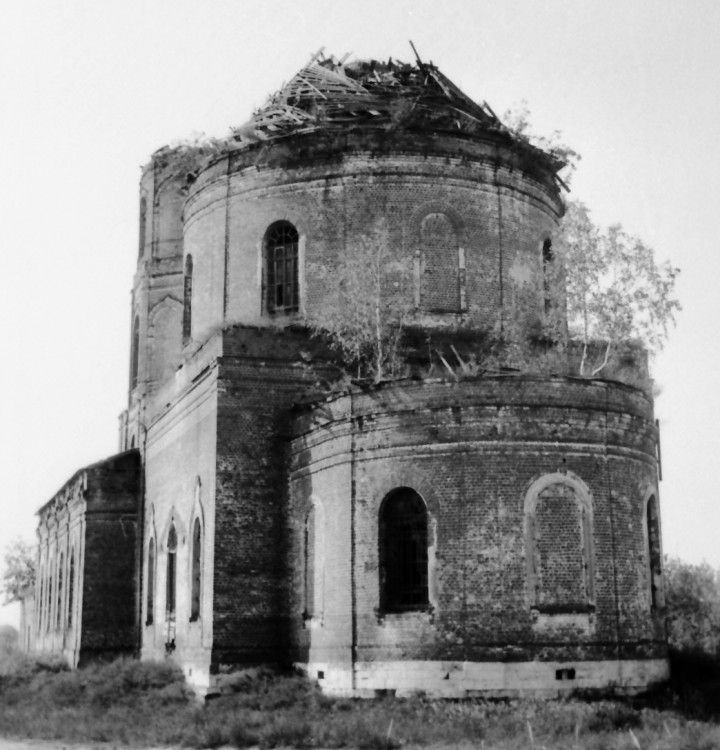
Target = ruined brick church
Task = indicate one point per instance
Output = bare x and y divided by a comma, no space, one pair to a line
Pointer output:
457,533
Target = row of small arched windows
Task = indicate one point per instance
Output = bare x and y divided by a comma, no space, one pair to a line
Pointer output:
559,551
171,577
56,594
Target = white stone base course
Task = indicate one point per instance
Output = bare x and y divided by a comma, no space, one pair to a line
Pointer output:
457,679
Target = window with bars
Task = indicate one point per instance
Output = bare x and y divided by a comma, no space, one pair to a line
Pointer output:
282,292
403,552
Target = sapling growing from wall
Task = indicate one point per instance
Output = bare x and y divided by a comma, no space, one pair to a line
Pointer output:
602,291
364,309
615,289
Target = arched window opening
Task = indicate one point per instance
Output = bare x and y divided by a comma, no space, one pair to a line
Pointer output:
171,574
143,219
135,353
559,548
310,554
654,555
71,589
187,300
59,610
440,265
150,602
41,600
548,256
196,572
48,603
403,552
282,289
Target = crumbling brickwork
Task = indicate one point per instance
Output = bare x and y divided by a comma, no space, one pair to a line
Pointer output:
487,532
88,568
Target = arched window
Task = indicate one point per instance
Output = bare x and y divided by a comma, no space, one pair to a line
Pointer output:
150,602
59,610
171,574
440,265
548,256
143,219
282,288
654,555
310,555
403,552
71,588
187,300
48,603
195,580
559,545
41,599
135,353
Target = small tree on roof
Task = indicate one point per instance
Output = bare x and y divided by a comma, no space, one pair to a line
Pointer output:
615,290
363,310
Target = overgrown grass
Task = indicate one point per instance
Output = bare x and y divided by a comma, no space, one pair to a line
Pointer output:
145,703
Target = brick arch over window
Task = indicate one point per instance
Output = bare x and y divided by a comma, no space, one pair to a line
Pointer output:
403,552
653,550
281,264
559,544
438,234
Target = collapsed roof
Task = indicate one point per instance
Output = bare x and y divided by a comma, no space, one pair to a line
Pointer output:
331,94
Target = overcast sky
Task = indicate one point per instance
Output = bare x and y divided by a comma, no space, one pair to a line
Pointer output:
90,88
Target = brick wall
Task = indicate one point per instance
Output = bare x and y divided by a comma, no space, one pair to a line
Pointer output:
473,450
496,214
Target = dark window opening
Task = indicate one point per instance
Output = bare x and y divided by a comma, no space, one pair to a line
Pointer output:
171,574
654,556
150,583
310,564
71,589
59,612
135,353
187,300
196,572
48,604
403,552
143,218
281,268
548,256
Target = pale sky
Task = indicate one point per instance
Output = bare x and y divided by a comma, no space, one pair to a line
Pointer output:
90,88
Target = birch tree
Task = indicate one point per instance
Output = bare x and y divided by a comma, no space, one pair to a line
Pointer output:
615,290
365,306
